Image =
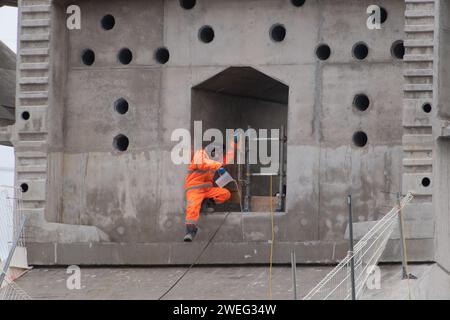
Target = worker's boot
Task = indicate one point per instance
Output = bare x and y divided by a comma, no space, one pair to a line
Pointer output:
191,232
208,206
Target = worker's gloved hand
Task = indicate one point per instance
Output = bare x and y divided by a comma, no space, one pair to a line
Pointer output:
221,171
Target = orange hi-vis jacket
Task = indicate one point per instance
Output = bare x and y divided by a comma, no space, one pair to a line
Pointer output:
201,170
199,184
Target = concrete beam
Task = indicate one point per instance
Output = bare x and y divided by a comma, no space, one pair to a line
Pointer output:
12,3
5,136
179,253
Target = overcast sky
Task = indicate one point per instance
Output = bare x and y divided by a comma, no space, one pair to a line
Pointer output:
8,27
8,34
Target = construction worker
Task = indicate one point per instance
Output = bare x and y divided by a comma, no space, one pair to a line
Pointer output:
199,186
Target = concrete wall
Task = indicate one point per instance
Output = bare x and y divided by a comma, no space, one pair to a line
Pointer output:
441,135
7,85
136,197
443,76
419,88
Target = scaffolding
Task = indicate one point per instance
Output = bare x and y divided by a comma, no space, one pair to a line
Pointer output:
281,173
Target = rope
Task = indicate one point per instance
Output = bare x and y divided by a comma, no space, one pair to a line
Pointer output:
196,260
273,239
403,239
405,253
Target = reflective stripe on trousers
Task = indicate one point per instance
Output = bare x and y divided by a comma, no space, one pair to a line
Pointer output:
202,186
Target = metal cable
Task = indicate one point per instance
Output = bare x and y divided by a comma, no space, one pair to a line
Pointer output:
196,260
271,244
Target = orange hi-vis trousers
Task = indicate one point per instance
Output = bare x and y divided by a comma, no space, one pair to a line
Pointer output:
195,197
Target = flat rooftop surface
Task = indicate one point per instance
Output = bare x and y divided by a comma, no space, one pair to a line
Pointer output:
201,283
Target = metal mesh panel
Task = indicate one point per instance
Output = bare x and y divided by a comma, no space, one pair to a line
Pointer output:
367,252
12,222
11,217
11,291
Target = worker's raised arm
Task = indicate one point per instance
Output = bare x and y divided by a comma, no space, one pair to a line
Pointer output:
203,162
230,155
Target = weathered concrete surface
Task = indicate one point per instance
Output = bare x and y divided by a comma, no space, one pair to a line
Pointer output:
116,254
224,283
5,136
41,231
179,253
441,138
7,86
418,230
228,283
8,3
65,154
433,283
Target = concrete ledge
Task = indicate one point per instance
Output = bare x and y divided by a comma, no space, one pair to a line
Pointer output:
181,253
418,250
433,283
237,253
40,231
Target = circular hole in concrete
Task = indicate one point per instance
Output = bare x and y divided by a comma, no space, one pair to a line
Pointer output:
108,22
162,55
361,102
121,106
427,108
383,15
125,56
426,182
298,3
360,51
206,34
398,49
88,57
188,4
25,115
121,142
278,32
360,139
24,187
323,52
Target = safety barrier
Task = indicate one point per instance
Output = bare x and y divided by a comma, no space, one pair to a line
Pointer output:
12,236
337,284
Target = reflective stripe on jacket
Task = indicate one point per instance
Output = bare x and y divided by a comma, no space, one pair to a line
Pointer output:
201,171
